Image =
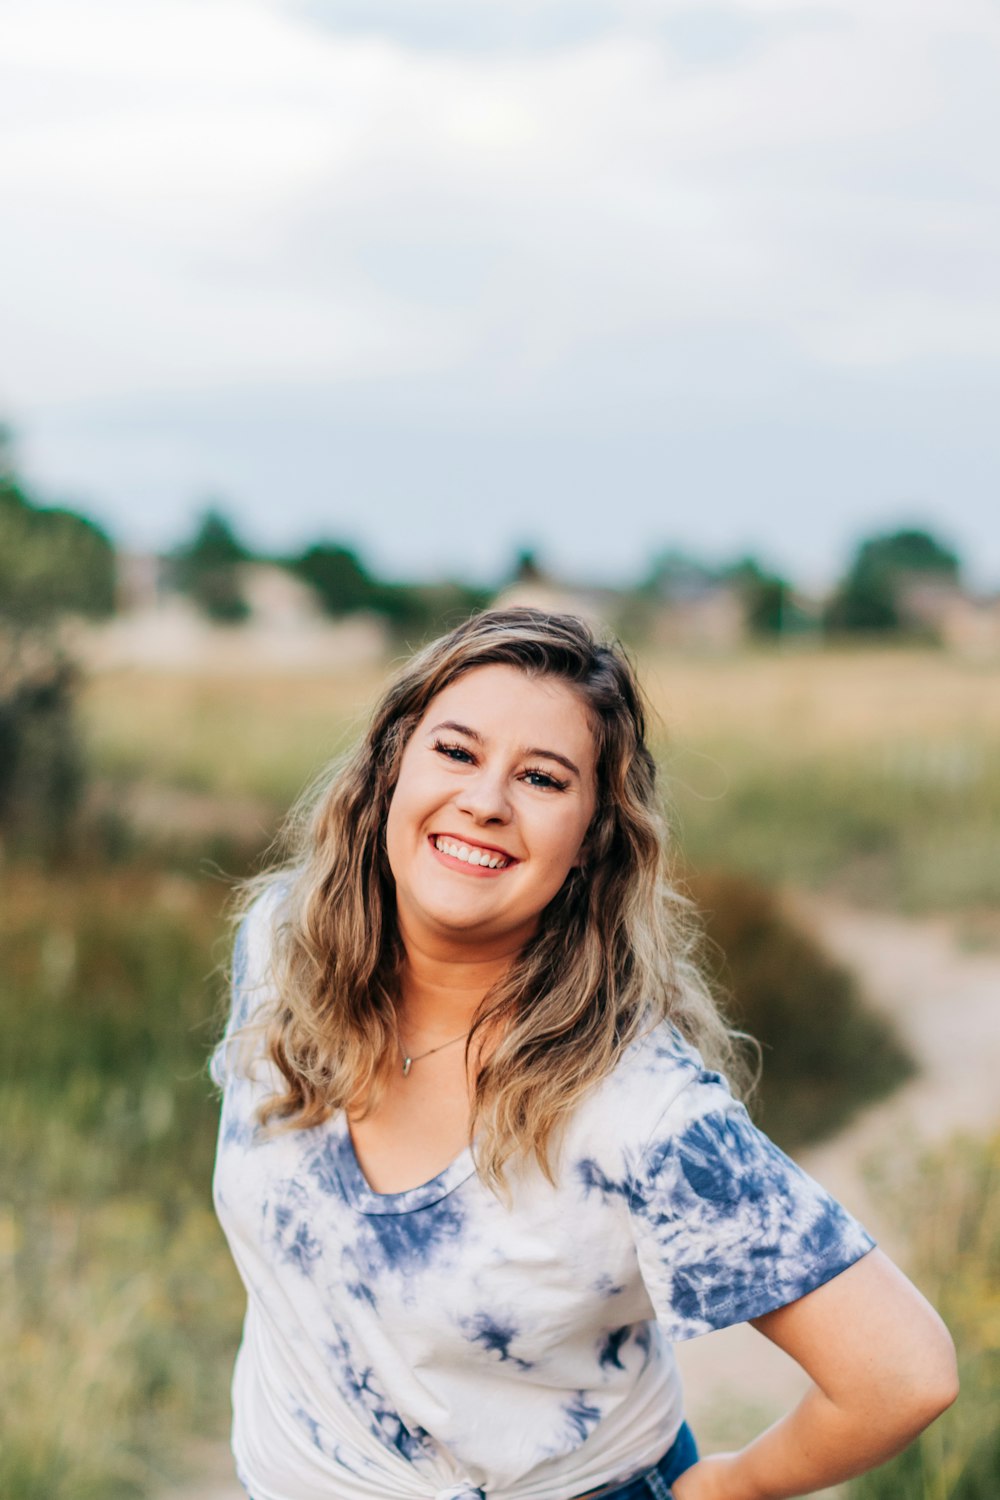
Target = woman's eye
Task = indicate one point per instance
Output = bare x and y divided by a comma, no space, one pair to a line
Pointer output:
454,752
544,780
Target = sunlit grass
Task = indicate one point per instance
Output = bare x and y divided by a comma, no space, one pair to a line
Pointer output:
908,826
264,737
874,773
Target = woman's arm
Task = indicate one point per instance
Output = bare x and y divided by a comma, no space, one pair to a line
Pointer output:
882,1365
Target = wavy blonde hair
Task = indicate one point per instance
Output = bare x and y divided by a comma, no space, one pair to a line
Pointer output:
611,957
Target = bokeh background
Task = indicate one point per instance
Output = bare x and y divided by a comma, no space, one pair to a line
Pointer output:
325,324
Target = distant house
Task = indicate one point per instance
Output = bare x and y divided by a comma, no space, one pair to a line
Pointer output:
598,607
158,629
141,580
276,599
709,618
703,615
962,621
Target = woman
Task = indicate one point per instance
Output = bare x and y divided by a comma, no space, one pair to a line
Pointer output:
474,1173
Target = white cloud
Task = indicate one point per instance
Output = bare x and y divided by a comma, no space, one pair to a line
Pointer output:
220,192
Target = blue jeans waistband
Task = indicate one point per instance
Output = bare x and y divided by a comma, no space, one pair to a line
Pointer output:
656,1482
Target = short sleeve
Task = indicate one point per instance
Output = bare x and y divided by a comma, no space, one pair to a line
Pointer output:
726,1226
249,989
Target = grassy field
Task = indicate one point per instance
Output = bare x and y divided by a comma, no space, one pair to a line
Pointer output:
948,1203
118,1303
874,773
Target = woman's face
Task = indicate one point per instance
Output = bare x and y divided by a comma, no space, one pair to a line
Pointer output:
495,794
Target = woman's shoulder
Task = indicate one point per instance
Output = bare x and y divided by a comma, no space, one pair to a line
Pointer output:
251,979
253,950
659,1083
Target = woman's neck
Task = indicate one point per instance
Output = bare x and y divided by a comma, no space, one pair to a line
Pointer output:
441,988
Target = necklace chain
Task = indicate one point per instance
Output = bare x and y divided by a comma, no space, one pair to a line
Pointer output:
408,1060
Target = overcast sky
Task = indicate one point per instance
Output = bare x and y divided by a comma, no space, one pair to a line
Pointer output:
445,277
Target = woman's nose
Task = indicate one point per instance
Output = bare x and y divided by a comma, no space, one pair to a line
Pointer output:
485,798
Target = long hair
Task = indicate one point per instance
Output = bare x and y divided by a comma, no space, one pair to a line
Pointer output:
611,955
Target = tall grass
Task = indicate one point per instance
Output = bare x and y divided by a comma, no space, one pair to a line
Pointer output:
118,1304
948,1204
874,774
910,828
261,737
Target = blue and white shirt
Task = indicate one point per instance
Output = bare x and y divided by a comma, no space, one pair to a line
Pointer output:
438,1343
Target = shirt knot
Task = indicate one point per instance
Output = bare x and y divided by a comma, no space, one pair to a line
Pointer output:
464,1491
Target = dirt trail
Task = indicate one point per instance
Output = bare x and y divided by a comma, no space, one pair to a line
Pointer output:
946,1002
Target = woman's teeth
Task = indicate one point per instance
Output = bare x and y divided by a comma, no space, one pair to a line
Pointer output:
487,857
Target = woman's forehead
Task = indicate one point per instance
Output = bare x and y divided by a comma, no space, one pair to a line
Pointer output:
498,700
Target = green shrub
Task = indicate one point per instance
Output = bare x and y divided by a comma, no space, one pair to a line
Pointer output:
824,1052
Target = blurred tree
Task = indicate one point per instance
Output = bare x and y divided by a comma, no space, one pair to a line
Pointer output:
767,599
414,611
207,568
526,567
41,765
867,598
417,612
52,561
338,576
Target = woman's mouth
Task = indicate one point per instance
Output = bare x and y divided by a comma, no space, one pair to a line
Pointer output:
475,856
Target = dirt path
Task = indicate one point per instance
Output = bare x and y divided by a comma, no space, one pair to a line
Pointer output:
946,1003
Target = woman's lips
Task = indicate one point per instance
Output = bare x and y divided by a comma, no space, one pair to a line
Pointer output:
469,858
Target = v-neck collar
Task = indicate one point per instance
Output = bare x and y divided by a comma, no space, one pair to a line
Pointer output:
367,1201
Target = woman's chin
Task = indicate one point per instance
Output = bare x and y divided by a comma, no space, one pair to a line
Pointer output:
468,922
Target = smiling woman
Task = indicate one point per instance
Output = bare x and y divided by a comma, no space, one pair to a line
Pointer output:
474,1170
475,799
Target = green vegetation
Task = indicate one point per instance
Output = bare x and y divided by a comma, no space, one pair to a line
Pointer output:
874,775
948,1208
868,598
207,569
41,771
908,825
55,562
823,1052
118,1304
117,1290
414,612
52,561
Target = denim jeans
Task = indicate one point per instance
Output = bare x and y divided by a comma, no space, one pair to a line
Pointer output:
656,1482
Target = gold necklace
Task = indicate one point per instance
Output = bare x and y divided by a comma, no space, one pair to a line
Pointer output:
409,1061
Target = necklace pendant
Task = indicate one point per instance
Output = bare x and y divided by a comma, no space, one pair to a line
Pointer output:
407,1063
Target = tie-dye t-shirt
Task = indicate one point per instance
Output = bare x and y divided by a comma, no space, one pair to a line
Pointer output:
441,1343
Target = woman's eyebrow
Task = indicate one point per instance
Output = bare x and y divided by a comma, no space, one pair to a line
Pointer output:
473,734
554,755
